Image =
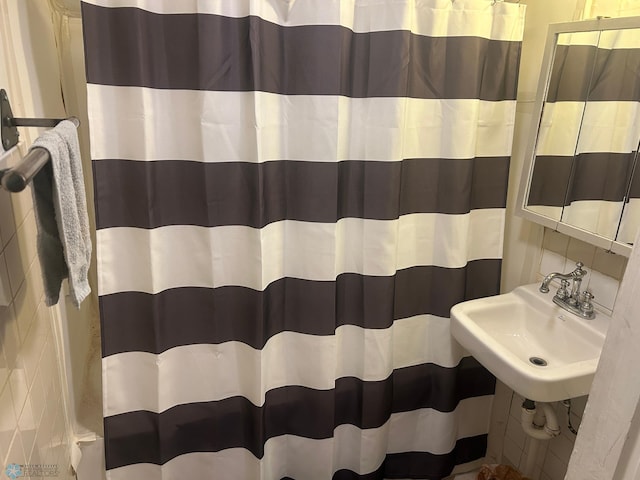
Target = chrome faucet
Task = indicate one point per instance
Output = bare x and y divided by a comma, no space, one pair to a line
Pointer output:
574,301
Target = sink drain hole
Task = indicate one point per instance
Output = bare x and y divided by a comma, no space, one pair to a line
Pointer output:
540,362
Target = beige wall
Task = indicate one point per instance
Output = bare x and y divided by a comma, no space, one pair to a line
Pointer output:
33,423
523,239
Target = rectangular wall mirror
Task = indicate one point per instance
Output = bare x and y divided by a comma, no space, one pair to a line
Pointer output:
580,174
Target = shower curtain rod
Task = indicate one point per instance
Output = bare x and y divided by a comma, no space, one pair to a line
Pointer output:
17,178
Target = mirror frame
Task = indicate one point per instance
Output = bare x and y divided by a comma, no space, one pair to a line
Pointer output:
555,29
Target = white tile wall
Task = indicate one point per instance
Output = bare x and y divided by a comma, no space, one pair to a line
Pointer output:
553,456
605,270
33,426
507,442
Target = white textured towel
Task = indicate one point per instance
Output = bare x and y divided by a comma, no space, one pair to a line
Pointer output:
64,242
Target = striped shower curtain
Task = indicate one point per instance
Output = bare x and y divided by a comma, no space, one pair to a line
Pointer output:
290,197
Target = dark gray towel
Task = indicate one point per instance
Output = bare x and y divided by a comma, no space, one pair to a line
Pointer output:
64,243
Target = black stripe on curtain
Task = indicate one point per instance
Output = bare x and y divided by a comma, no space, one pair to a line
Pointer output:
310,60
558,181
422,464
146,322
148,437
434,467
634,187
216,194
600,176
585,72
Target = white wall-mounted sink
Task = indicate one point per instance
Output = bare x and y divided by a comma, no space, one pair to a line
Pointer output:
506,333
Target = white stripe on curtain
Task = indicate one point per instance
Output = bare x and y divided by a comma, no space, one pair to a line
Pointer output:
250,257
547,211
623,38
630,223
597,216
610,127
604,126
247,126
579,38
309,458
429,421
234,368
496,22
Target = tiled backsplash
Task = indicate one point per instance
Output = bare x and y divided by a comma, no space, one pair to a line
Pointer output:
33,426
507,441
605,270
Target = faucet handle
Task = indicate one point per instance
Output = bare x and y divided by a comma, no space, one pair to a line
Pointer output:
586,306
563,291
579,270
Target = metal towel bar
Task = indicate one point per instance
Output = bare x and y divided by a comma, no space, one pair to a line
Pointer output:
17,178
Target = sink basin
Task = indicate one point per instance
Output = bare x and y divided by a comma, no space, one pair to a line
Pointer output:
538,349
